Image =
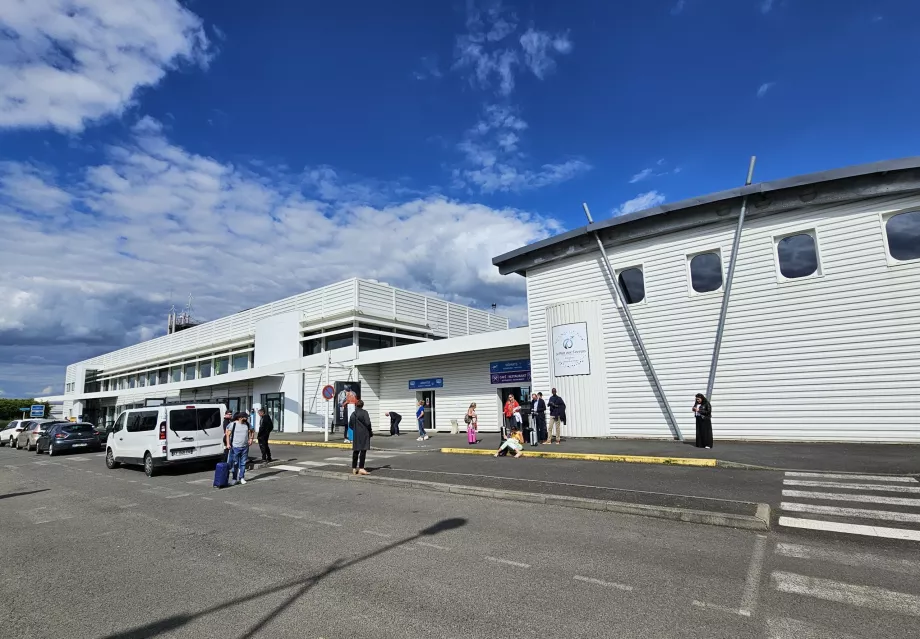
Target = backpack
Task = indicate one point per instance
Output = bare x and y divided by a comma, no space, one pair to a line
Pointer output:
467,419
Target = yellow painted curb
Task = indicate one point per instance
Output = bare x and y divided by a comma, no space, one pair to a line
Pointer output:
285,442
635,459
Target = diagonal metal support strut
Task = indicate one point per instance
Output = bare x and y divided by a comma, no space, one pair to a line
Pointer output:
632,325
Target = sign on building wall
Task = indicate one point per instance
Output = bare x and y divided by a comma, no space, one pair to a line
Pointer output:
510,366
570,350
347,395
421,384
510,378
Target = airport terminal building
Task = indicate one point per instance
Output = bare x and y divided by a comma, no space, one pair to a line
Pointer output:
803,315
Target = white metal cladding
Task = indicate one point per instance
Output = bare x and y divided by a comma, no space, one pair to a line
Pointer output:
827,358
466,380
410,307
314,404
585,396
376,299
458,320
369,376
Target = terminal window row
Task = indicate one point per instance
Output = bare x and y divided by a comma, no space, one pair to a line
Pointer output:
182,372
796,254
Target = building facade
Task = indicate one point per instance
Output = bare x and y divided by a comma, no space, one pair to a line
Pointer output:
821,340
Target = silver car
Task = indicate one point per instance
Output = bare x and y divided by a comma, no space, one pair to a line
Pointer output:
28,436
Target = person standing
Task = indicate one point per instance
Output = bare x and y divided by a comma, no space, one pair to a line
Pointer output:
539,410
702,409
228,418
556,417
238,439
395,418
360,424
472,425
510,406
420,417
266,426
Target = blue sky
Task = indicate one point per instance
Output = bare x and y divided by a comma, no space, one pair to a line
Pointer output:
239,151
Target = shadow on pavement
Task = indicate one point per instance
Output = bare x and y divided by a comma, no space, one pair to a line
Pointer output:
27,492
303,586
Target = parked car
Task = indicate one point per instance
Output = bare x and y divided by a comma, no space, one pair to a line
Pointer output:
63,436
28,436
11,431
165,435
102,434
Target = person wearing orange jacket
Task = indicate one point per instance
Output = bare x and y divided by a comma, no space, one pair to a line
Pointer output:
510,406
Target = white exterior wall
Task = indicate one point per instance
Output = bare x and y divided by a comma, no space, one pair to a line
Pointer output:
833,357
466,380
277,339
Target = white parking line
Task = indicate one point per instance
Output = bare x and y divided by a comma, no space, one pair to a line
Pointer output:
752,584
199,481
286,467
873,499
329,523
848,486
598,582
905,480
887,515
850,594
292,515
508,562
785,628
178,496
847,558
312,463
852,529
712,606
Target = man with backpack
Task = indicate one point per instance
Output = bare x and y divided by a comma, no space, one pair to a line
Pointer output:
238,440
556,417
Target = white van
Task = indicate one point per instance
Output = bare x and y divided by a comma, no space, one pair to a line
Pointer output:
164,435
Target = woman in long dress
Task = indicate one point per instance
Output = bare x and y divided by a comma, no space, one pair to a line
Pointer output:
702,409
360,424
472,425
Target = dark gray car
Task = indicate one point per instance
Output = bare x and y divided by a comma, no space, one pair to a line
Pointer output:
66,436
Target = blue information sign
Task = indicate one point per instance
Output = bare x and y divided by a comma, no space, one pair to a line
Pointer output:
37,410
510,366
431,382
510,378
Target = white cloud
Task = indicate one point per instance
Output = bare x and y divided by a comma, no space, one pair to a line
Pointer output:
47,390
640,203
678,8
642,175
155,222
65,63
489,53
659,169
494,161
763,88
766,6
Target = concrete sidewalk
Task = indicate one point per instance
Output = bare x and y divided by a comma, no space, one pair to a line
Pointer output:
819,457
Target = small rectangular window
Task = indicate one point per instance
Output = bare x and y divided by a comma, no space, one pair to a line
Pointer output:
175,374
204,369
240,362
339,341
705,271
370,342
797,255
632,284
902,236
183,419
221,366
163,376
190,371
151,379
313,346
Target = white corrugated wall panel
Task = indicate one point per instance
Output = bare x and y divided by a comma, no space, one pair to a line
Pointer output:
369,376
479,321
457,320
339,298
314,404
824,358
437,316
311,304
410,307
375,299
466,380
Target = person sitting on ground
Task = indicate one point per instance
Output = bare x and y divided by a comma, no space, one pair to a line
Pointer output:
515,442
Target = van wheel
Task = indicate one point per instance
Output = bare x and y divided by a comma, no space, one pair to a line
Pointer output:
110,462
149,469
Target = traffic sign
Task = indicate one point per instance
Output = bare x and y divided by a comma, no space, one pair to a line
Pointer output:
37,410
328,392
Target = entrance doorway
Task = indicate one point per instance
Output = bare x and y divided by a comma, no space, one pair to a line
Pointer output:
273,403
427,397
522,395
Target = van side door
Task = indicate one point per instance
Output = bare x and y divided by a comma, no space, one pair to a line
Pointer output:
210,431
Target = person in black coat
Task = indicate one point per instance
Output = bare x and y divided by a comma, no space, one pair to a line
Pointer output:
395,418
266,426
556,416
702,409
539,411
360,423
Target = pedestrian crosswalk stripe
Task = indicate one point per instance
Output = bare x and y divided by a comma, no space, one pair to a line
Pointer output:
854,595
286,467
887,515
785,628
847,558
892,478
841,486
894,501
853,529
338,459
312,463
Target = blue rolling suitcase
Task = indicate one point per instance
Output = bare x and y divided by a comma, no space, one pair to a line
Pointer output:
222,473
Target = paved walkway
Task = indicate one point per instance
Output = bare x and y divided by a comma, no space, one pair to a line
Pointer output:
894,459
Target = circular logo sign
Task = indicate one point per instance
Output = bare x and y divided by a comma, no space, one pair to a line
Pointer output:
567,343
328,392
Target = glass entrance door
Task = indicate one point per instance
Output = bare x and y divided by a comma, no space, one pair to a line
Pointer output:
427,397
273,403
